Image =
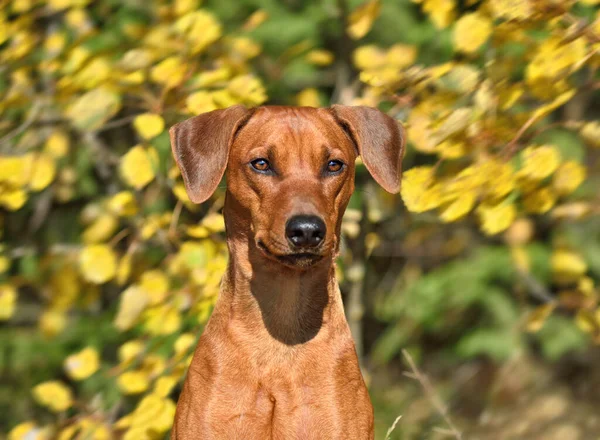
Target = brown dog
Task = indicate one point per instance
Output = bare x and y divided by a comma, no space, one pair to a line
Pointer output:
276,360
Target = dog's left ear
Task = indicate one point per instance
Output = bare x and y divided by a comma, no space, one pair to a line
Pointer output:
379,139
201,148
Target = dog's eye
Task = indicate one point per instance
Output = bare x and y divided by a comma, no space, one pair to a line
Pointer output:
261,165
333,166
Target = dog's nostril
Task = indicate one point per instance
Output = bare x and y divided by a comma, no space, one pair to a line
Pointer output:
305,231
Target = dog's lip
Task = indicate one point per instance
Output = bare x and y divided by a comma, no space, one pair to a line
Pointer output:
290,258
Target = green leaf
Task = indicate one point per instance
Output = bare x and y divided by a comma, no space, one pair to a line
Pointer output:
498,344
560,336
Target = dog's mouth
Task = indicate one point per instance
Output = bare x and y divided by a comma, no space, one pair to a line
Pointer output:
298,259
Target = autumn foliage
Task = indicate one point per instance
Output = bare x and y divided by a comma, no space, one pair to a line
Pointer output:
108,271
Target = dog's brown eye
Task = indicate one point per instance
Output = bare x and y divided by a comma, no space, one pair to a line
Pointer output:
333,166
260,165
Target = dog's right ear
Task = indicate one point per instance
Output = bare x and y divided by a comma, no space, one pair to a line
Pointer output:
201,148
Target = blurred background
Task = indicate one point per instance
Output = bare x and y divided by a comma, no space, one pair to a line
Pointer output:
472,295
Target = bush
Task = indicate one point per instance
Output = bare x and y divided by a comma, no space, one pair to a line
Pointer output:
109,271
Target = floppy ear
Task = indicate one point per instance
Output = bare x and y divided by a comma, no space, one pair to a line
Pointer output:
379,140
201,147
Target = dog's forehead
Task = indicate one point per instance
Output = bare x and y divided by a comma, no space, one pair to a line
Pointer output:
278,125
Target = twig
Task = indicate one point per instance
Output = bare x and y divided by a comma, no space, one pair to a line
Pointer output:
116,123
512,146
33,114
41,211
431,394
535,288
389,431
175,218
121,235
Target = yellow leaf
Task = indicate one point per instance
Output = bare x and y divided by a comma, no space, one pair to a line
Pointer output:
124,269
156,285
539,201
60,4
401,55
162,320
200,102
361,19
57,144
537,318
568,177
28,431
554,58
95,72
93,109
546,109
499,179
8,301
54,395
169,72
214,222
14,170
244,48
98,263
457,121
200,28
247,89
441,12
419,191
570,263
183,343
135,59
52,322
13,199
137,167
368,57
55,43
590,132
573,211
123,204
164,385
255,20
64,286
211,78
133,382
153,413
197,231
130,351
520,258
101,229
149,125
133,302
496,218
520,232
43,171
319,57
586,321
4,266
459,207
540,162
471,32
512,9
82,365
185,6
308,98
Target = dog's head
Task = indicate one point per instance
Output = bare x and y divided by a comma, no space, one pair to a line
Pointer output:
290,170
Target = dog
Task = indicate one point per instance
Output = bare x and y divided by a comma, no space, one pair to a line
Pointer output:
276,359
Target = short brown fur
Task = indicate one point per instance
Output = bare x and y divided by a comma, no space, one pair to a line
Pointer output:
276,359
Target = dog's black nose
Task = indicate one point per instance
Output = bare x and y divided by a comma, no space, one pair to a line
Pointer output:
307,231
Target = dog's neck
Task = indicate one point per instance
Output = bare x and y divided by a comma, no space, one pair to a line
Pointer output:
291,306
